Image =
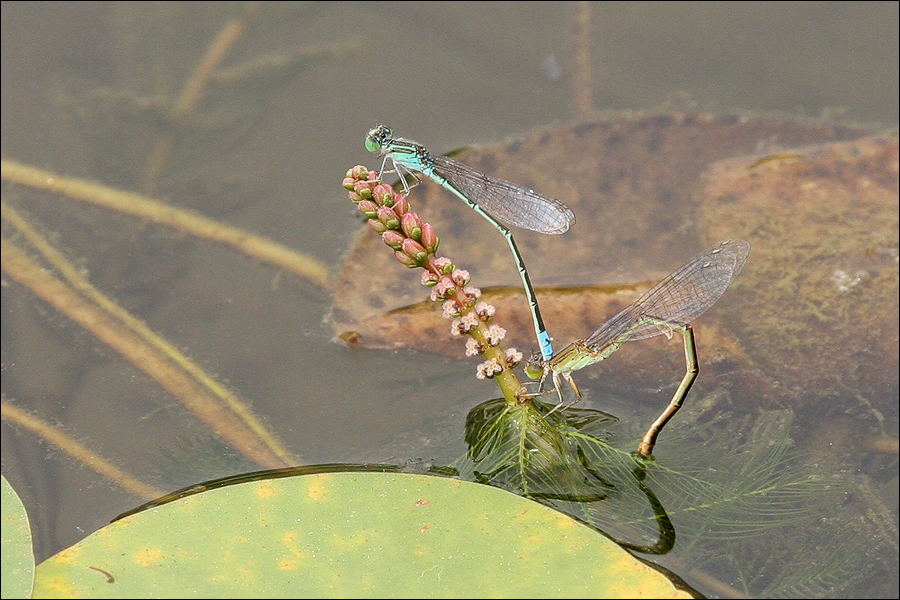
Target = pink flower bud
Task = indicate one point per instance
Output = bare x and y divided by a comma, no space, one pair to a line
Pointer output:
401,204
368,208
359,172
414,249
384,194
363,189
392,238
411,225
388,217
377,226
429,238
406,260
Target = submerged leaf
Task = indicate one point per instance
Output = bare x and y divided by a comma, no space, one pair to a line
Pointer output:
631,183
824,266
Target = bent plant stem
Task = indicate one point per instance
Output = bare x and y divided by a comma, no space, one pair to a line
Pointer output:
18,266
190,222
78,281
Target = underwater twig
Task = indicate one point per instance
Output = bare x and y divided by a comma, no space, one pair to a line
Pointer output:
582,81
414,243
81,284
162,214
78,451
20,267
193,90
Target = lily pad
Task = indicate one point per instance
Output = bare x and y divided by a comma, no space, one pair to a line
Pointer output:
350,535
18,557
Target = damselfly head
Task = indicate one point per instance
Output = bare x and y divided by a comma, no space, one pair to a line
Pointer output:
534,368
377,138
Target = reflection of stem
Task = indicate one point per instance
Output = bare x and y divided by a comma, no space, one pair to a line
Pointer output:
192,92
162,214
666,540
78,451
81,284
18,266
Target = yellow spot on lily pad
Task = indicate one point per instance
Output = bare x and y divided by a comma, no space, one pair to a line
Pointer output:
316,491
149,557
265,491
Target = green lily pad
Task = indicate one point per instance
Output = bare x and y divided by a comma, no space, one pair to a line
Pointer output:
350,535
18,558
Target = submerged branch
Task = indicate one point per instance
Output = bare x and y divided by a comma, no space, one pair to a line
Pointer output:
193,90
21,268
78,451
162,214
81,284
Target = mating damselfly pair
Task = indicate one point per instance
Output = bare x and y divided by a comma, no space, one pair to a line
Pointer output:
670,306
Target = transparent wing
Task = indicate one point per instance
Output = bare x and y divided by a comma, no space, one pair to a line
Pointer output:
504,201
679,298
